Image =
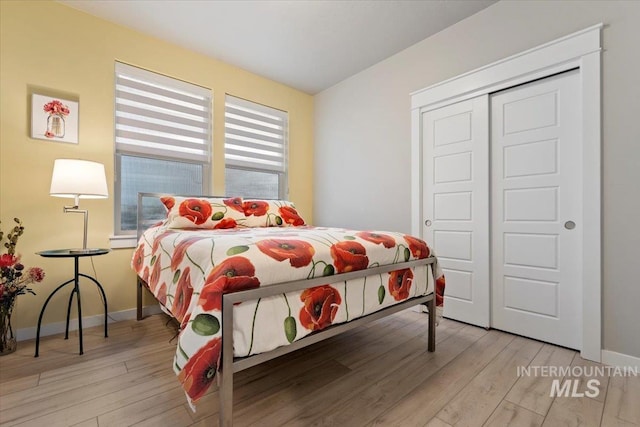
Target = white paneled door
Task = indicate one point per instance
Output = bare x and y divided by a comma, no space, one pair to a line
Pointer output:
455,204
502,208
536,214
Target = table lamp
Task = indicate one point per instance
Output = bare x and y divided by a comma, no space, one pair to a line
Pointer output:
78,179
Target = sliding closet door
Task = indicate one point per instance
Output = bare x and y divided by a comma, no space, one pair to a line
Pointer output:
455,204
536,211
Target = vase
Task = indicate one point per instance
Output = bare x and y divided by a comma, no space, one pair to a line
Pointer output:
55,125
8,343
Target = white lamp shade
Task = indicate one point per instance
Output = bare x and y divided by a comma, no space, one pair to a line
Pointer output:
75,178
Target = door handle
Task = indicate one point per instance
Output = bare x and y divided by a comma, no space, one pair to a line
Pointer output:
569,225
428,223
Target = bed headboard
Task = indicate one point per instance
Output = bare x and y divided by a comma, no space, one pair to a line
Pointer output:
150,210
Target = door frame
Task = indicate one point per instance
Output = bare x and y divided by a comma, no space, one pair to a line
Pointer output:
580,50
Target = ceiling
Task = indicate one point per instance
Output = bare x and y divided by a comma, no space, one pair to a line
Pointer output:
307,44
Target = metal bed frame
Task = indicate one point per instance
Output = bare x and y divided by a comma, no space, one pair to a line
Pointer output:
231,365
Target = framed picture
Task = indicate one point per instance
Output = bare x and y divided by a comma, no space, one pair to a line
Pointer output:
54,119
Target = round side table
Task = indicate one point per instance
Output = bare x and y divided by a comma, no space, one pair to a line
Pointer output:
76,254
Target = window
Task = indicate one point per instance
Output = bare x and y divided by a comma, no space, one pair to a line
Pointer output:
255,150
163,139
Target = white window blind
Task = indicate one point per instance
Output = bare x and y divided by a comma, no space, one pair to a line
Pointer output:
163,139
255,136
161,116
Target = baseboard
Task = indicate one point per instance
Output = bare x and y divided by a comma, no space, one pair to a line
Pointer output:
612,358
87,322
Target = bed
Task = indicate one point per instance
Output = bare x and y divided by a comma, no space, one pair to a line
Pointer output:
249,281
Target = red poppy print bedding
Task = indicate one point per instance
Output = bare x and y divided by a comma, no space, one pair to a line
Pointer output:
189,270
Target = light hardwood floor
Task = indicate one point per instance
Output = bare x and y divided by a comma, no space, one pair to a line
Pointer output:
380,374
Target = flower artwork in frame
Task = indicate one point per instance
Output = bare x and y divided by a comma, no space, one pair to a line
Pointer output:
54,119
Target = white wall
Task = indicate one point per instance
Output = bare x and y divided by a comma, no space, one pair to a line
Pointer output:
362,141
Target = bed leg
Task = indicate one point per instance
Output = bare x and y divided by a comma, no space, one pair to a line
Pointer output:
226,397
225,390
139,300
431,306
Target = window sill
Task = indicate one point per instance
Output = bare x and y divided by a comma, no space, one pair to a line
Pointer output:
122,242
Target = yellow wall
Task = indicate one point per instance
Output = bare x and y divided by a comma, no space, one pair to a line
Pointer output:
51,48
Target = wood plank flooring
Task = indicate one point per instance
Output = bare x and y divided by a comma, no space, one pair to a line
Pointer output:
379,374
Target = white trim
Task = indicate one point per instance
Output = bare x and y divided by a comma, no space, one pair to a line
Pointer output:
578,50
501,74
87,322
122,242
592,207
612,358
416,173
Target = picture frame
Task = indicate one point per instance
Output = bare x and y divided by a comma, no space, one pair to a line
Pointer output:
54,119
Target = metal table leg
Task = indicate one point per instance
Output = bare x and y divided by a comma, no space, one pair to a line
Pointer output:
76,290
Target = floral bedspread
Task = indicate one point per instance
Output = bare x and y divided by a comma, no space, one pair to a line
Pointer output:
189,270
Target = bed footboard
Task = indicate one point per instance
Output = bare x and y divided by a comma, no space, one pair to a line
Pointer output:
230,365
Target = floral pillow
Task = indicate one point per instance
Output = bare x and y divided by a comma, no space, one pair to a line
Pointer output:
203,212
217,213
271,213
